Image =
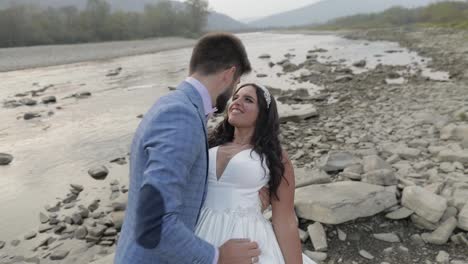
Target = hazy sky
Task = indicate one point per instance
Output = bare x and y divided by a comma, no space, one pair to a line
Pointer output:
240,9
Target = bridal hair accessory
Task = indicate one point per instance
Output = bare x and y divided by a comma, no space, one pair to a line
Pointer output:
267,95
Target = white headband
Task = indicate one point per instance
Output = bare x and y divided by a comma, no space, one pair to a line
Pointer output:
266,93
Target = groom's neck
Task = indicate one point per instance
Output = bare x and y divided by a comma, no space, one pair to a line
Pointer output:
211,84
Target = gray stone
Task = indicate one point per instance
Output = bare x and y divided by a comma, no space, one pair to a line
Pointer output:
374,162
303,235
460,239
77,219
453,156
15,242
306,177
5,159
343,78
28,101
360,64
366,254
77,187
2,244
31,115
117,219
110,232
385,177
418,143
318,237
341,235
81,232
43,218
443,257
401,150
30,235
296,115
44,228
388,237
424,203
264,56
353,172
59,254
422,223
417,239
339,202
463,218
442,234
97,231
338,161
316,256
450,212
454,132
99,172
49,100
399,214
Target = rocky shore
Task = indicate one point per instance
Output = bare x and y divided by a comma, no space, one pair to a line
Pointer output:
381,166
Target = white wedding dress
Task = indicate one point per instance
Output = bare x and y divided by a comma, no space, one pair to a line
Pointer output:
232,208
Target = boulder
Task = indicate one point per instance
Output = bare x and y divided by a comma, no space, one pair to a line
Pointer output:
339,202
305,177
463,218
424,203
442,234
318,236
453,156
338,161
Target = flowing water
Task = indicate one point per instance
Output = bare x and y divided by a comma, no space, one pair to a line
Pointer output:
57,149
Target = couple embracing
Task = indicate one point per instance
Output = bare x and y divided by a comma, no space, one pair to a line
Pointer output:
198,198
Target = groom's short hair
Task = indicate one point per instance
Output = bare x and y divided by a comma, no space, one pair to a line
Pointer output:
219,51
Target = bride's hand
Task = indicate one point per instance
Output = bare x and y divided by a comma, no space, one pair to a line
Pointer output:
264,194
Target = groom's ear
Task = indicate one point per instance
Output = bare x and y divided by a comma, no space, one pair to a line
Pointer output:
229,74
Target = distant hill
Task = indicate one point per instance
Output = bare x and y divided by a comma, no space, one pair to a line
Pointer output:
326,10
216,21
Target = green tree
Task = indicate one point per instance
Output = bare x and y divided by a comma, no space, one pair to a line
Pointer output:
197,15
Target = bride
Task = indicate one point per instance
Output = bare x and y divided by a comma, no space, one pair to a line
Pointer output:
246,155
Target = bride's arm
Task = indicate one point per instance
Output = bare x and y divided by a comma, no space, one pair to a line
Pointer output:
284,218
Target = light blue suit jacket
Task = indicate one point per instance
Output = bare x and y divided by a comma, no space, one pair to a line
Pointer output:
168,178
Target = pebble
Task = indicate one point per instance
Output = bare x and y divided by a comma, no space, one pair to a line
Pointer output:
5,159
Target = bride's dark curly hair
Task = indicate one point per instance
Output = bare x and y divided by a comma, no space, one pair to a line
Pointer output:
265,140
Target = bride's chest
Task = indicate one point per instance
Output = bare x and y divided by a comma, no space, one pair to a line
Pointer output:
243,170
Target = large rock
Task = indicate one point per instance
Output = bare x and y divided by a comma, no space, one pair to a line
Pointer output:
339,202
338,161
424,203
297,114
452,156
442,234
383,177
305,177
374,162
401,150
318,236
463,218
5,159
454,132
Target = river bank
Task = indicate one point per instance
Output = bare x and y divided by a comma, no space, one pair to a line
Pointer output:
381,132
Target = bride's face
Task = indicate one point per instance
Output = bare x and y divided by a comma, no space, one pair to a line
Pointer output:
243,111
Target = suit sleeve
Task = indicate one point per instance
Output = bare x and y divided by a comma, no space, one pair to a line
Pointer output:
171,155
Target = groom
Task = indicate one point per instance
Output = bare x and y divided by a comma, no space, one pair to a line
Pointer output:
169,165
